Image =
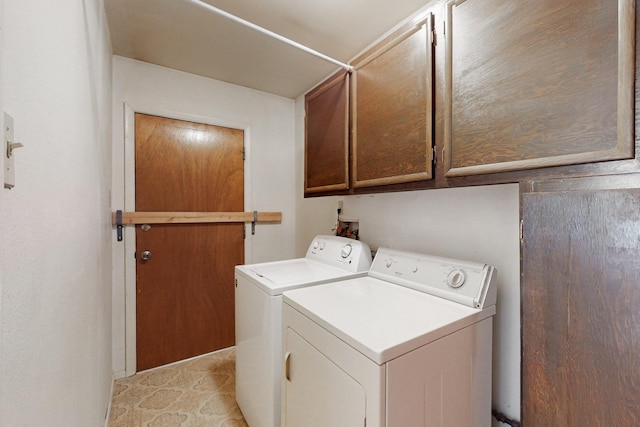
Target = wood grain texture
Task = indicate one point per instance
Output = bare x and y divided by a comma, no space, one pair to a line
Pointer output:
327,136
441,120
538,83
392,111
580,299
185,292
194,217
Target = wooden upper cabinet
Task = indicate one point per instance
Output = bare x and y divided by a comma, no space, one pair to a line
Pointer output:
392,109
327,136
536,83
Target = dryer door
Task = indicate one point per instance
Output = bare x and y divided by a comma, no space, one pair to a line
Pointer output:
316,392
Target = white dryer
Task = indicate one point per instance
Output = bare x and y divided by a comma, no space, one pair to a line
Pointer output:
258,307
408,345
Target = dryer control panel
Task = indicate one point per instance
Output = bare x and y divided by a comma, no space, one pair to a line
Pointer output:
465,282
349,254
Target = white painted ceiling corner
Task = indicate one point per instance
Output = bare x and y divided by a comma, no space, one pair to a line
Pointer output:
180,35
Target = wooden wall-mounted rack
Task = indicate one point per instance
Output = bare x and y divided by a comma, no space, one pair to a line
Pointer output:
119,218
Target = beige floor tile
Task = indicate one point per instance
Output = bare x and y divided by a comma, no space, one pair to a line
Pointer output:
195,393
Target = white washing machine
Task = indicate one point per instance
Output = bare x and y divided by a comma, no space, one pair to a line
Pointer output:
408,345
258,307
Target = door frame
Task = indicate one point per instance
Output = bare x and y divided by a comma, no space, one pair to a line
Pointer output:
129,206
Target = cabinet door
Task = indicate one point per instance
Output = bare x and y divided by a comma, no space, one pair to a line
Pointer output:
392,110
580,299
327,136
535,83
316,392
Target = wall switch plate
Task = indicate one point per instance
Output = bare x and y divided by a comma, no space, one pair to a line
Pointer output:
9,145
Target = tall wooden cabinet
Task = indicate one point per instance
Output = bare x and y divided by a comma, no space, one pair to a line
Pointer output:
531,84
580,302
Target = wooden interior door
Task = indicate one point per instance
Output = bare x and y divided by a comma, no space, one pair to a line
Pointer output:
580,299
185,291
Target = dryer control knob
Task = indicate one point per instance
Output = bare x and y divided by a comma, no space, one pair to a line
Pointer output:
346,250
456,278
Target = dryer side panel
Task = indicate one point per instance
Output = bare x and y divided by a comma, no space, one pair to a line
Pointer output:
445,383
257,347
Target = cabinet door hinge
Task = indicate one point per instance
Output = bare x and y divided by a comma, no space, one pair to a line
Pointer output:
434,30
521,231
244,232
244,153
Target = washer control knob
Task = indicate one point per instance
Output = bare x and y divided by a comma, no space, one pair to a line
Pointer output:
322,246
346,250
315,245
388,263
456,278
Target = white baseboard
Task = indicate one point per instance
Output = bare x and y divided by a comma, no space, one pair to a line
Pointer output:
119,375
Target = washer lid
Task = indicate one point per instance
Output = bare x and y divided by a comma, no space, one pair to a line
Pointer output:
382,320
279,276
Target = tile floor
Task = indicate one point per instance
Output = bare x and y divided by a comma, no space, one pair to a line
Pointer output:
195,393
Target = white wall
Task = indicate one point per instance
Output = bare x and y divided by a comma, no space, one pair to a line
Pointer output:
268,122
1,191
473,223
55,224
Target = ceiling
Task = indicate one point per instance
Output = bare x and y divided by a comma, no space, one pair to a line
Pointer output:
185,36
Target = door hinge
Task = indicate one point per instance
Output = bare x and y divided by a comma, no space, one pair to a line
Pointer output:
432,24
244,153
244,232
521,231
